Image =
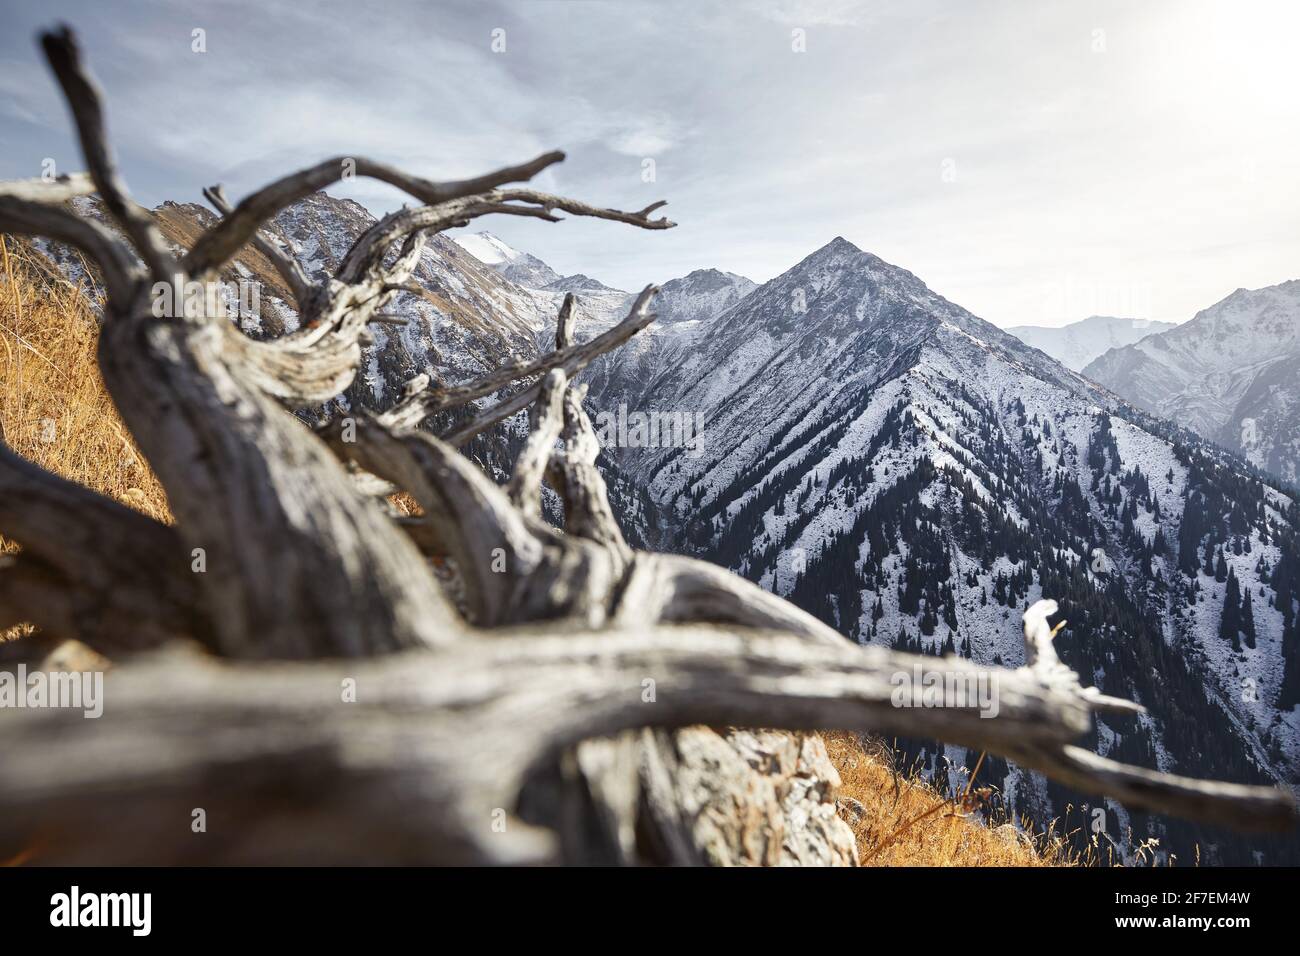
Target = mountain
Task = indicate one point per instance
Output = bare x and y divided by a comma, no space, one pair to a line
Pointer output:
915,476
578,283
1077,344
684,310
700,296
519,267
1231,374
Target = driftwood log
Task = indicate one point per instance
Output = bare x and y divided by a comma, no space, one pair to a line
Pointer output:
310,686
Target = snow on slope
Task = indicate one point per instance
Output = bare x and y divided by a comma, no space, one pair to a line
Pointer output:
519,267
487,248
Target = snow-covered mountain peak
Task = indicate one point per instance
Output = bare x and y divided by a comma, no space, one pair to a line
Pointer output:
520,268
487,248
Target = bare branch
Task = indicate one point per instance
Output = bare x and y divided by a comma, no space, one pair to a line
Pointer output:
1042,662
298,563
367,253
436,742
286,265
57,190
411,411
547,420
64,56
319,360
297,369
515,568
121,274
673,589
587,513
574,207
91,568
225,239
566,322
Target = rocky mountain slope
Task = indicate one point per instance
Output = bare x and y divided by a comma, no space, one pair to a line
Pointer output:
1231,374
1077,344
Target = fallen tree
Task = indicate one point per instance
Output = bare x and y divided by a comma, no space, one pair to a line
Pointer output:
289,663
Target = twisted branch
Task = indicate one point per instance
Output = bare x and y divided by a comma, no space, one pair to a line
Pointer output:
222,242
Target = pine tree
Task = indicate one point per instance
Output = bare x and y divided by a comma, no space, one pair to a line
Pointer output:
1248,620
1230,623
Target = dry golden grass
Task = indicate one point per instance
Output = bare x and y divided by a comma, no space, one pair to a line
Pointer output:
53,406
906,822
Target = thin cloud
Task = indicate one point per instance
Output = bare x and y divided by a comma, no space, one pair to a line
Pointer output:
1003,153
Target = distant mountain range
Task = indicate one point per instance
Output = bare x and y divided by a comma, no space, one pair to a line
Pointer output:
1077,344
1231,374
915,476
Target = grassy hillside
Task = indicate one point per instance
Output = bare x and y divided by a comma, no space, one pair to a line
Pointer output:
53,407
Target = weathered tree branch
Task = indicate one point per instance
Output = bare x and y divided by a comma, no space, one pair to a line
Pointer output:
222,242
515,568
57,190
546,419
452,738
92,569
587,513
82,92
1042,662
548,202
566,322
289,269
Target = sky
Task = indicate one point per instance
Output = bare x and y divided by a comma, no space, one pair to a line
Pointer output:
1033,162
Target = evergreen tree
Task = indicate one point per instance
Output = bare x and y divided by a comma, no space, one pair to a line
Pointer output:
1248,621
1230,623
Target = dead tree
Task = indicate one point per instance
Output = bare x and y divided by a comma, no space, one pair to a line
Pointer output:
514,728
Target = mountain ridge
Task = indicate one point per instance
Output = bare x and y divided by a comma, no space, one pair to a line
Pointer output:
1231,374
1076,344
